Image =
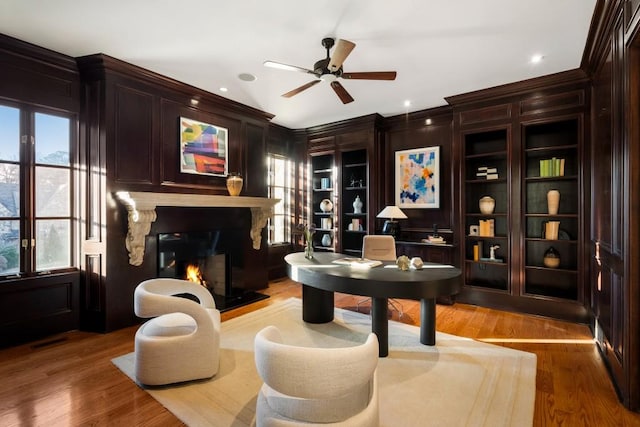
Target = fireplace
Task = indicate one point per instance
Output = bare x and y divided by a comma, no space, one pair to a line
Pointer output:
211,258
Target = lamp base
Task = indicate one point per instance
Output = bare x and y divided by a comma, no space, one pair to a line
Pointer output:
392,228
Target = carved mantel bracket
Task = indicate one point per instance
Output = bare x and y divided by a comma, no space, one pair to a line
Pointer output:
141,208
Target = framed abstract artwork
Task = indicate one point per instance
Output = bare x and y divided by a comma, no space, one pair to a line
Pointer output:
203,148
418,178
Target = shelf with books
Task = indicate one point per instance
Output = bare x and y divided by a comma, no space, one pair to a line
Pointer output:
355,200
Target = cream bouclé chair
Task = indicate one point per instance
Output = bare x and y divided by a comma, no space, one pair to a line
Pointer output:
317,386
381,248
182,340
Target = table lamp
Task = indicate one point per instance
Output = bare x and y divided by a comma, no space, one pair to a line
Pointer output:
390,226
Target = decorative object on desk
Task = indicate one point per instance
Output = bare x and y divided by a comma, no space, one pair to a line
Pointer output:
307,232
417,263
325,183
551,258
357,205
474,230
326,240
234,184
326,205
390,226
553,201
203,148
417,183
403,262
487,204
550,230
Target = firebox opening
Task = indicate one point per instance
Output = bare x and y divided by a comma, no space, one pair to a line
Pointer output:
210,258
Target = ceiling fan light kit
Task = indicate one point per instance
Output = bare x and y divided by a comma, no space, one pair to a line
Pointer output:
329,70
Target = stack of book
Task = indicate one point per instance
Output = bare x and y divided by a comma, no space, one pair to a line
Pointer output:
487,228
435,240
551,167
487,172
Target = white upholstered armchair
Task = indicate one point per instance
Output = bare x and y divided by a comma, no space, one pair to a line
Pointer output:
305,385
182,340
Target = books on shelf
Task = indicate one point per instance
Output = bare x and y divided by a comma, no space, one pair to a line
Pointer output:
487,228
358,262
487,172
552,167
435,240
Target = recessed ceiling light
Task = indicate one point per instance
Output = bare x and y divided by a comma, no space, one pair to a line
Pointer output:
223,89
427,122
407,103
536,58
246,77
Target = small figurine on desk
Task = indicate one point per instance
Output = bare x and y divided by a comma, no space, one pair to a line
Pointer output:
492,252
435,230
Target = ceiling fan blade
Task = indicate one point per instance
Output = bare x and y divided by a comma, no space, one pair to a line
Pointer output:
301,88
341,92
340,53
281,66
371,75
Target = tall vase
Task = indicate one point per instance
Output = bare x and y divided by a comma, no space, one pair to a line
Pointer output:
308,249
553,202
357,205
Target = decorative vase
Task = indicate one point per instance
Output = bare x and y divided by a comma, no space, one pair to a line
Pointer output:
553,201
308,249
487,204
234,184
357,205
326,240
326,205
551,258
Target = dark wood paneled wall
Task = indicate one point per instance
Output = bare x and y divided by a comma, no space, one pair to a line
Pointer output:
612,58
32,307
131,130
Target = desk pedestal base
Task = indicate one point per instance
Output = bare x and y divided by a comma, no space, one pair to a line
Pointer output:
428,321
317,305
380,324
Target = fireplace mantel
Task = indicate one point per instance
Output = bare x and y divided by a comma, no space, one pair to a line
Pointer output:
141,208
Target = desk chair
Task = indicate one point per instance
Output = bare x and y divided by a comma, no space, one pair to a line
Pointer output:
382,248
316,386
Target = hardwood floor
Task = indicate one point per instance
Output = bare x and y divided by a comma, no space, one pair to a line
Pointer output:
69,380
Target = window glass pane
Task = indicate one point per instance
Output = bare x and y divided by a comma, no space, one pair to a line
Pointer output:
9,247
278,232
279,172
53,239
9,190
52,192
52,139
9,133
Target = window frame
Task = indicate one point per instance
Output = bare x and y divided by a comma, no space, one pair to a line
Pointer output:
28,217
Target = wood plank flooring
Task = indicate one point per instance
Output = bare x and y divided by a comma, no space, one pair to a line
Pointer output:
69,380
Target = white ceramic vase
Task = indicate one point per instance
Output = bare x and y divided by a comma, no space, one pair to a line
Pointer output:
326,240
326,205
487,204
357,205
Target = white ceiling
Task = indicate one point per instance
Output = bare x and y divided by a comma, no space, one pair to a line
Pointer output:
439,48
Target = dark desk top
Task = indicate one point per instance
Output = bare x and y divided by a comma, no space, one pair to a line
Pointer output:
320,272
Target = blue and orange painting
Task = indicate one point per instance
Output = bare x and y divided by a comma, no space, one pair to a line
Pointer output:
203,148
417,178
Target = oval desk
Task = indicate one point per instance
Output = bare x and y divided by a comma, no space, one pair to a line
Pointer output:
321,277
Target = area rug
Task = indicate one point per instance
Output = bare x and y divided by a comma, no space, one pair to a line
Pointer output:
457,382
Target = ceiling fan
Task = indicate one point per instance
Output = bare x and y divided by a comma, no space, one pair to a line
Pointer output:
330,69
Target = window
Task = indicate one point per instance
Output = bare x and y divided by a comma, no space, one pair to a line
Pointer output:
35,191
281,186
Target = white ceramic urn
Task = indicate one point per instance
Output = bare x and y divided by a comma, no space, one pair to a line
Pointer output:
487,204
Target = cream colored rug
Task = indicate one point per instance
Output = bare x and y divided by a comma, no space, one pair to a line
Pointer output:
457,382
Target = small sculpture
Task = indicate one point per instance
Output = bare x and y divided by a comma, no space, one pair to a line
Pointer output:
492,252
403,262
417,263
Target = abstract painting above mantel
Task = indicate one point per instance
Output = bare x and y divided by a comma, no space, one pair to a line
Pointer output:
203,148
418,178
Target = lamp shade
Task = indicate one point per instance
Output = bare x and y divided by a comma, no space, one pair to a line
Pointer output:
392,212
